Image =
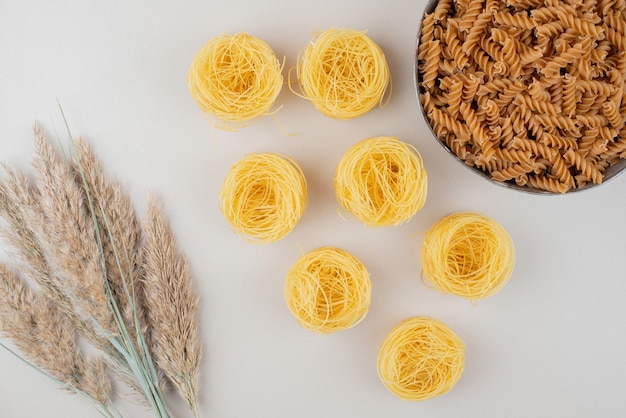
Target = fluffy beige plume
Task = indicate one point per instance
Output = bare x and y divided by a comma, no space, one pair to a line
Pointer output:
44,335
70,243
120,232
172,307
19,206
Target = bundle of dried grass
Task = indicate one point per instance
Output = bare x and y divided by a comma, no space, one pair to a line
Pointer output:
86,268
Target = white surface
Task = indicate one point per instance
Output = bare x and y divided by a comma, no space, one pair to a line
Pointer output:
550,344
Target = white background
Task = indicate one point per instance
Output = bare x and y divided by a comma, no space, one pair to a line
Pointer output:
550,344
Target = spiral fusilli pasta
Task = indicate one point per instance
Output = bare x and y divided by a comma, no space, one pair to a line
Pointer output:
543,77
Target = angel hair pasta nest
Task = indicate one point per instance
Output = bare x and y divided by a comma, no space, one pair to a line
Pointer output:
529,93
468,255
328,290
344,73
421,358
263,197
381,181
235,78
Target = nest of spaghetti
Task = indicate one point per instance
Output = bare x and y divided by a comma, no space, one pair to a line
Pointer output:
381,181
344,73
530,94
421,358
469,255
328,290
235,79
263,197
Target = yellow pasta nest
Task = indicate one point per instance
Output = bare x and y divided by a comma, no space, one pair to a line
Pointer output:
343,73
235,78
381,181
421,358
469,255
328,290
263,197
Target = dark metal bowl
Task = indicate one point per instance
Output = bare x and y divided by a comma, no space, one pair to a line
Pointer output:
610,173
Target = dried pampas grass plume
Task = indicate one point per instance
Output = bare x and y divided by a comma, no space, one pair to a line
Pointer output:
45,336
121,237
173,304
69,235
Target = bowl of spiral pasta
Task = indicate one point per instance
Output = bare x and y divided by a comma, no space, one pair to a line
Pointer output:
530,94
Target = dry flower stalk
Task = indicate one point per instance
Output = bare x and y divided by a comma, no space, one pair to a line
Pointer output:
45,336
114,212
168,286
69,235
89,269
